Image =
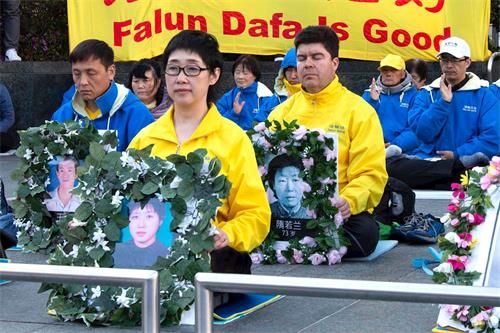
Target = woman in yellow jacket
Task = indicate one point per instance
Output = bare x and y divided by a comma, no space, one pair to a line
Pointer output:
193,65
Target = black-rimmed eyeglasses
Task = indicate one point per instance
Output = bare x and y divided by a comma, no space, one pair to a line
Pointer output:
451,60
189,70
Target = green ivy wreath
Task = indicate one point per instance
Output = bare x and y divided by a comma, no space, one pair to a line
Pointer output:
316,150
191,184
467,210
38,146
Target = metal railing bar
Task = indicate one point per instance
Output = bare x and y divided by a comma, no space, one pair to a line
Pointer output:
148,280
490,66
207,283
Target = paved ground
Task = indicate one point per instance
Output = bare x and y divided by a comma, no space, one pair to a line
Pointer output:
23,310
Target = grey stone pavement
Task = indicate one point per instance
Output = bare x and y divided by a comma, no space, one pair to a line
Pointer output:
23,310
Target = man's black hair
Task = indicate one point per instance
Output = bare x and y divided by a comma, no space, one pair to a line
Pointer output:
139,71
249,63
319,34
68,158
158,207
203,44
93,49
280,162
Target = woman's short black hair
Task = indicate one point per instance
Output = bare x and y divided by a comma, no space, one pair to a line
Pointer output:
93,49
248,62
280,162
418,66
203,44
139,71
319,34
158,207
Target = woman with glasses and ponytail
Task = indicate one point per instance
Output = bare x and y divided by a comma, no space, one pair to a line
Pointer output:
193,64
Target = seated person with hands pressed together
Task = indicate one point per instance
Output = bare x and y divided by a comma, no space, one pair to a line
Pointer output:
193,65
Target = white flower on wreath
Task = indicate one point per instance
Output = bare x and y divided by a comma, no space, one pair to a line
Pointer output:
46,151
60,140
27,154
125,183
96,292
123,301
74,251
452,237
76,223
69,152
116,200
98,236
104,245
445,268
108,148
128,160
445,218
175,182
493,321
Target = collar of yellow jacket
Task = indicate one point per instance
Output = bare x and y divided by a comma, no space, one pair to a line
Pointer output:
164,128
325,95
291,88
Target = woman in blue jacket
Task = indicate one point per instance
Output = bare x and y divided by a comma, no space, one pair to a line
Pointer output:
242,103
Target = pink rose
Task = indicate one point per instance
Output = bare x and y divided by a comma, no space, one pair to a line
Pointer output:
260,127
495,161
469,217
462,314
262,170
257,257
333,257
280,258
327,181
339,220
452,208
299,133
330,154
455,222
305,187
478,219
311,213
458,262
485,182
321,134
316,259
343,250
308,163
334,201
298,256
264,143
308,241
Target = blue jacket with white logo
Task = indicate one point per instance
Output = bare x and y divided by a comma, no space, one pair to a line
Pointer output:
252,95
470,123
120,109
392,110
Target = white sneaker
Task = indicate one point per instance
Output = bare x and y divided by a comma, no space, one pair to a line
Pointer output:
11,55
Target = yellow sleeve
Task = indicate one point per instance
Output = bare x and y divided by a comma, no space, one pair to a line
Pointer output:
248,218
366,173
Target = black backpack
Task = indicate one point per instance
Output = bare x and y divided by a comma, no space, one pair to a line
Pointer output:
398,202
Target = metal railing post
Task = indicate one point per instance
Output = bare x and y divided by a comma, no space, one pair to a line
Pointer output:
203,309
146,279
490,66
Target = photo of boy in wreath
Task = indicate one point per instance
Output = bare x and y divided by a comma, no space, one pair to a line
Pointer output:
145,246
288,188
61,198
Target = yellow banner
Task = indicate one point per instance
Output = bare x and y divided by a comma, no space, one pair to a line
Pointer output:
368,29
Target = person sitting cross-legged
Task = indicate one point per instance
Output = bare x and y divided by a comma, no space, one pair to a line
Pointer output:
456,118
391,95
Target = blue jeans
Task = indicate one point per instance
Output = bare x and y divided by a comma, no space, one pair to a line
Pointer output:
7,224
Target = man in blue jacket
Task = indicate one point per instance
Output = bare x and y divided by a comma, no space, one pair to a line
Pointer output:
495,89
108,105
392,95
456,118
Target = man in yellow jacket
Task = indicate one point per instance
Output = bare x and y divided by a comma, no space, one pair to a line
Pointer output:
324,103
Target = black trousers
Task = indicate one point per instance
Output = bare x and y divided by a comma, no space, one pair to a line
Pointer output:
418,174
228,260
363,232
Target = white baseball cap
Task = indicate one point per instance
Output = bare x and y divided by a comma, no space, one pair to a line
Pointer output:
455,46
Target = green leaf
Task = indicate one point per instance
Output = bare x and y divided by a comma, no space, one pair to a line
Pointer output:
185,171
149,188
176,159
111,160
167,192
195,161
23,191
83,211
96,253
97,151
112,231
103,208
186,189
179,205
218,184
214,167
166,279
